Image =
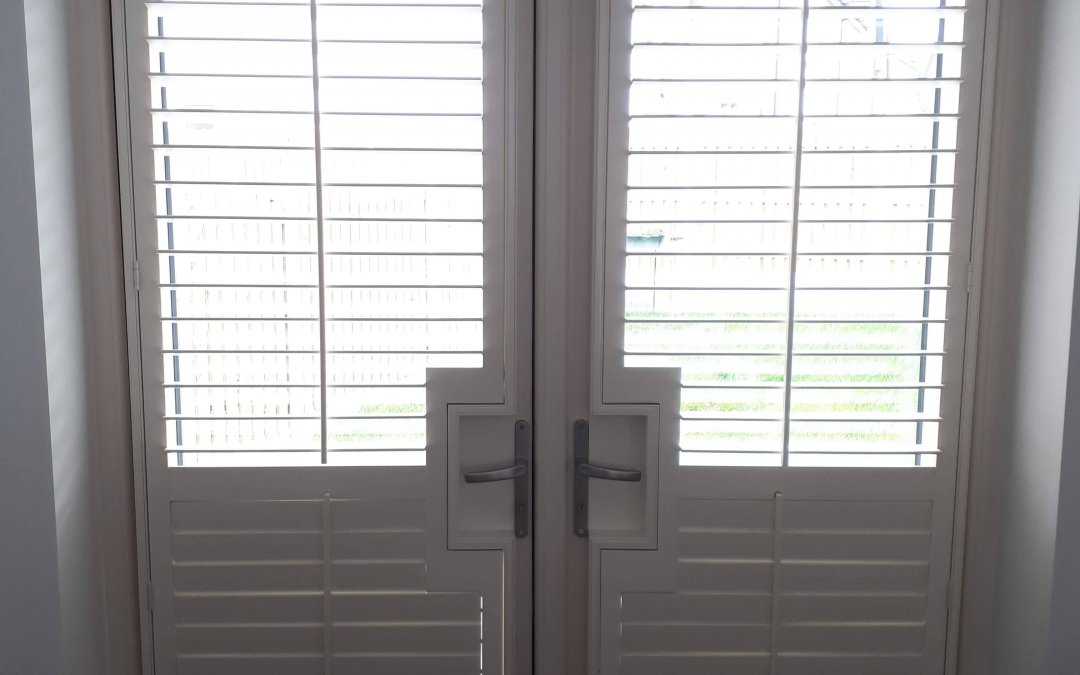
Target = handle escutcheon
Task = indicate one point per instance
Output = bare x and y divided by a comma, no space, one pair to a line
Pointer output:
583,471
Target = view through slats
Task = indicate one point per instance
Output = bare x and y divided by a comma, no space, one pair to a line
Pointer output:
319,223
791,171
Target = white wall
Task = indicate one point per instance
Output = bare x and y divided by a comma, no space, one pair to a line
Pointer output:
63,400
63,279
1025,340
1058,181
29,588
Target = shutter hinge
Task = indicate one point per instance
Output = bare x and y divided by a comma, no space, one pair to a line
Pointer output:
150,595
971,277
135,274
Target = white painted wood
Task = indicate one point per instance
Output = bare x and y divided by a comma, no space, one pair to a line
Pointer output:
853,575
565,81
967,503
308,569
670,554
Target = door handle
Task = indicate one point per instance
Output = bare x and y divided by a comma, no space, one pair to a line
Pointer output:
517,472
605,473
508,473
583,471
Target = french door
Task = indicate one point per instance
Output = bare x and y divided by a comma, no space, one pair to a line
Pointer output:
331,214
757,282
782,237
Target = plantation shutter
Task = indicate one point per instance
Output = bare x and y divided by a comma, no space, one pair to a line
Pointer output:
790,171
319,175
789,187
327,213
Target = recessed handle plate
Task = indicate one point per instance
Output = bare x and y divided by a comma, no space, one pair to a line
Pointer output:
583,471
518,472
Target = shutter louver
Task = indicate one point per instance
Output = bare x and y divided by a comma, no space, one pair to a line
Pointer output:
319,176
789,216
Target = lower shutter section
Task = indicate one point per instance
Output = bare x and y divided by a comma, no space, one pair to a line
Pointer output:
800,587
298,587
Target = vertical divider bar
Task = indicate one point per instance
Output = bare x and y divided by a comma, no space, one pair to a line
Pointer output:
774,613
174,328
935,144
327,525
319,222
793,255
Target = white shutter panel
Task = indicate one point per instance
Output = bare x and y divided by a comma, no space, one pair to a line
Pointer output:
714,101
314,190
403,176
320,223
789,228
237,230
797,179
875,220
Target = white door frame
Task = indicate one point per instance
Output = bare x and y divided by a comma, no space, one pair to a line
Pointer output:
565,85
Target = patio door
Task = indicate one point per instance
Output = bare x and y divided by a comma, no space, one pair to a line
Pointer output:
767,471
329,224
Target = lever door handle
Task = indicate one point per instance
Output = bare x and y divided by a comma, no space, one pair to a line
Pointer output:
583,471
606,473
507,473
517,472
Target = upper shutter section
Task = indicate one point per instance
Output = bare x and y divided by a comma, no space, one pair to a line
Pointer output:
791,181
319,216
